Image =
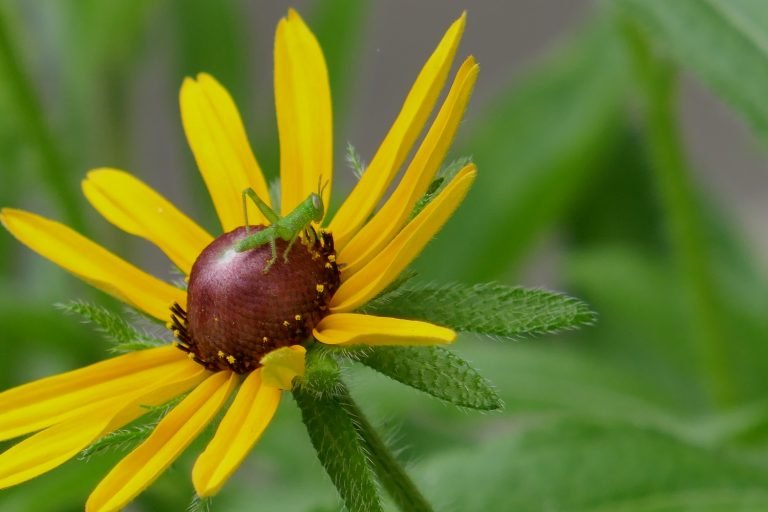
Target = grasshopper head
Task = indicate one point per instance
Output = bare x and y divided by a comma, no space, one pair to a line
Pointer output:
318,209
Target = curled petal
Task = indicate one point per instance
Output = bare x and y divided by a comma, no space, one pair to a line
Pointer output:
383,227
390,262
399,140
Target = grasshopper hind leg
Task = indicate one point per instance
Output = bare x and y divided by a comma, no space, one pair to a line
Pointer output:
268,212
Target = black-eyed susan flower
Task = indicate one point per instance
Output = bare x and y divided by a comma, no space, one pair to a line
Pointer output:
241,332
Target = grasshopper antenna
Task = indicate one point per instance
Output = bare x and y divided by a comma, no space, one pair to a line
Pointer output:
322,185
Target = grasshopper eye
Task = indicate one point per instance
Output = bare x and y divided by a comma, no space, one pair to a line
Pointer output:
317,204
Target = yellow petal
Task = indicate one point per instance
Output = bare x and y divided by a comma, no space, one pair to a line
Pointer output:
52,447
134,207
172,435
54,399
92,263
389,263
398,142
375,235
355,329
247,417
304,120
217,138
280,366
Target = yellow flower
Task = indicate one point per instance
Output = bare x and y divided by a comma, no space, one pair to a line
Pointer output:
68,412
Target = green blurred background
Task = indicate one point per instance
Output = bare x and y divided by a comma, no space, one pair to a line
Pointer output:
602,173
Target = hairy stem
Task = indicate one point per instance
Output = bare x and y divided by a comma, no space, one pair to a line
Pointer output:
391,474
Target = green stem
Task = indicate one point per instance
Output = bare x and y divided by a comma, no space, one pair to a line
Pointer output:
389,471
31,114
686,226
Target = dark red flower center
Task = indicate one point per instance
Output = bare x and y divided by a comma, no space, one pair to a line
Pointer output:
237,312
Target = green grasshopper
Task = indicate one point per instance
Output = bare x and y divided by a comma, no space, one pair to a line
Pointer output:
286,228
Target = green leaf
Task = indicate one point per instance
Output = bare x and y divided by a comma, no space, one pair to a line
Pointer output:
321,374
538,380
444,177
638,329
719,40
126,439
536,147
436,371
123,336
564,377
645,326
354,161
489,308
340,449
580,466
122,440
199,504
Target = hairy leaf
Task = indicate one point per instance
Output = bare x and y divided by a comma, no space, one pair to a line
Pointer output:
199,504
321,376
123,336
122,440
443,178
490,308
354,161
340,449
436,371
391,474
128,438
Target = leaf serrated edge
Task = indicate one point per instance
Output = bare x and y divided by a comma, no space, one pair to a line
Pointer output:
583,315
